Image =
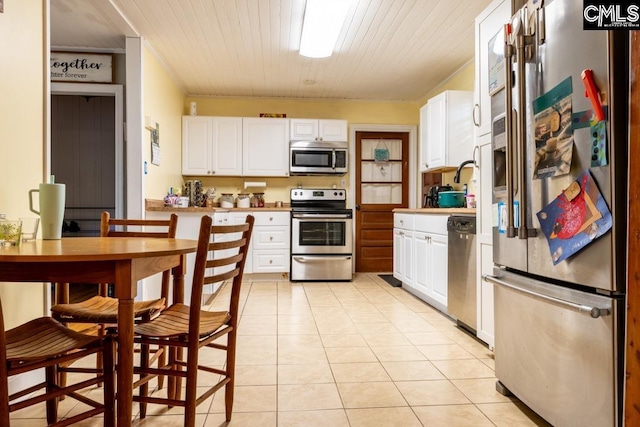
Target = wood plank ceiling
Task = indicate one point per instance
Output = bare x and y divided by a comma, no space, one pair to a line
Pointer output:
388,49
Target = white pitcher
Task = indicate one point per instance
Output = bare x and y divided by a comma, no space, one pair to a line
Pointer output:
52,201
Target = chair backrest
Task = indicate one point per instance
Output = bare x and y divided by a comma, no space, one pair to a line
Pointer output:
160,228
222,251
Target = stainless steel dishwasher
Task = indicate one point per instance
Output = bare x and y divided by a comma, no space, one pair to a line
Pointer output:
461,299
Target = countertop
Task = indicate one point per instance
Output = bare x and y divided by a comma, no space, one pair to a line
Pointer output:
158,206
445,211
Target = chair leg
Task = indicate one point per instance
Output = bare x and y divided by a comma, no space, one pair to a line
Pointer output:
99,362
52,404
144,388
231,368
108,371
162,360
192,391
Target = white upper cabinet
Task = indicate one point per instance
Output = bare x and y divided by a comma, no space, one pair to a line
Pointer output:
312,129
489,65
265,147
211,145
446,134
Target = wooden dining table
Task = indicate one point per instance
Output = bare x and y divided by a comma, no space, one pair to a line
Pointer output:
118,260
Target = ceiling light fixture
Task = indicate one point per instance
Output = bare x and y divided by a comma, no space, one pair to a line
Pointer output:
322,23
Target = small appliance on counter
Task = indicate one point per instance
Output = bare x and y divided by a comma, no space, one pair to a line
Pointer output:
431,199
451,199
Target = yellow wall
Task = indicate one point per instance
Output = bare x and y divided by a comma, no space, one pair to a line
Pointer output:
463,79
367,112
163,102
22,115
399,113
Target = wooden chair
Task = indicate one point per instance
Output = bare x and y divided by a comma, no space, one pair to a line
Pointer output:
188,327
101,309
46,343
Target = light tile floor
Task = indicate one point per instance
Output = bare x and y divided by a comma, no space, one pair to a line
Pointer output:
357,354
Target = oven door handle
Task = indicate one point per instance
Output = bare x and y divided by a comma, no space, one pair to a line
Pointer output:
316,216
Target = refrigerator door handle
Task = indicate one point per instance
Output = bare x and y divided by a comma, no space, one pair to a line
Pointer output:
523,41
508,119
594,312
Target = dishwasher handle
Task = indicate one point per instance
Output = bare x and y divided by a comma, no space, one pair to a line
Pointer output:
594,312
461,224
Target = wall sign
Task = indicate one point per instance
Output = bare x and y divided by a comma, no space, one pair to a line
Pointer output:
81,67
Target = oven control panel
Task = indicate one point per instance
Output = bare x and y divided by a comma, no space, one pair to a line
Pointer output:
309,194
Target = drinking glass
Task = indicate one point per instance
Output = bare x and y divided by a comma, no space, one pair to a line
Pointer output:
10,232
29,228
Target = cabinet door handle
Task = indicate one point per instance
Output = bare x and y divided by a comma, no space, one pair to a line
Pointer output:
476,123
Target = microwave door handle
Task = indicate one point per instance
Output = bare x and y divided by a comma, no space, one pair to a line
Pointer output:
508,55
333,159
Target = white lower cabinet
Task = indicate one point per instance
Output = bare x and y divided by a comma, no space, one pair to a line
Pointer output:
420,256
188,228
270,242
268,252
403,248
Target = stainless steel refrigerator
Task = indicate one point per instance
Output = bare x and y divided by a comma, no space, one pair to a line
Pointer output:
559,320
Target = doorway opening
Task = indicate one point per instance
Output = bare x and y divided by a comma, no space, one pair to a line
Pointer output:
87,156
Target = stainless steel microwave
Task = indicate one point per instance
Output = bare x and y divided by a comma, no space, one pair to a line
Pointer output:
318,158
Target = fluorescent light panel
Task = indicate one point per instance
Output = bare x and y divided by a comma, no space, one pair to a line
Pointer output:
322,23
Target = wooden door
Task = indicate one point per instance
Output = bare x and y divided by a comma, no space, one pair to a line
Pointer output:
382,184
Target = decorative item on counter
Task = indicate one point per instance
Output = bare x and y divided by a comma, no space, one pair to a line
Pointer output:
243,200
10,231
172,200
257,201
471,200
226,200
183,202
193,190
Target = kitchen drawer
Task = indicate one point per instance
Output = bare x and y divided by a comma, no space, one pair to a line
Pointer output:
405,221
270,261
272,218
270,237
434,223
